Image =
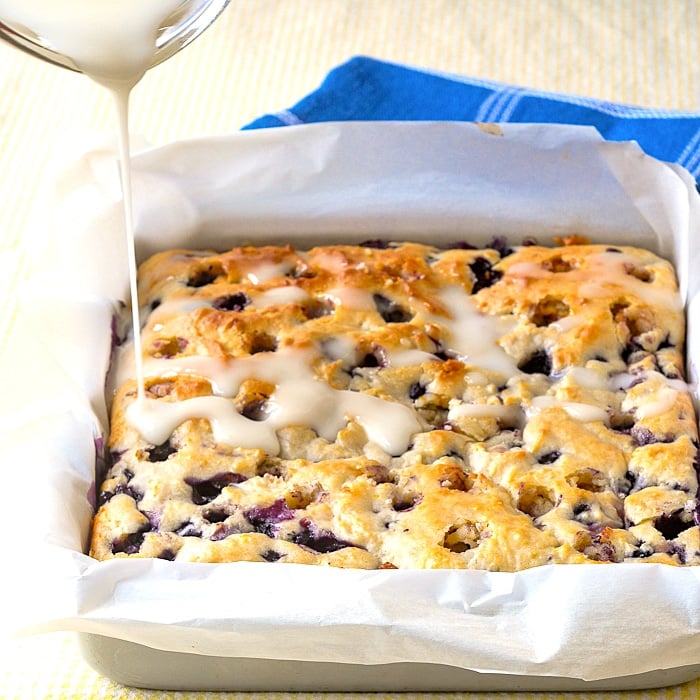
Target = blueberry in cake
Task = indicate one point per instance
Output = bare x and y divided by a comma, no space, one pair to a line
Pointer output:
396,405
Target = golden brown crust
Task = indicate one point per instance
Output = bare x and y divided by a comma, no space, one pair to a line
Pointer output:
541,390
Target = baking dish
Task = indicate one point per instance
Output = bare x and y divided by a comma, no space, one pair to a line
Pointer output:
342,630
137,665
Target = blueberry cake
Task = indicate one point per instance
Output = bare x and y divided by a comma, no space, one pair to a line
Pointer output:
399,405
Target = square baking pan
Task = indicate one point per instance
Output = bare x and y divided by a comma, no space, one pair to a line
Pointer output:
166,625
141,666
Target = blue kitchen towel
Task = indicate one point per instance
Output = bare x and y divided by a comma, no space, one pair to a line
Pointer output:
368,89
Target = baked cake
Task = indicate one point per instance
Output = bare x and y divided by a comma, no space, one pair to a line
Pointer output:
396,405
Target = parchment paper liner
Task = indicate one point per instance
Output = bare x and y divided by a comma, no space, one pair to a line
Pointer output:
311,184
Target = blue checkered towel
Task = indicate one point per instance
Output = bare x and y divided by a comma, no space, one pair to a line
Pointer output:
368,89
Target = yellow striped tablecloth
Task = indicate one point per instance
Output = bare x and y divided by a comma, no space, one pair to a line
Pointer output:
264,55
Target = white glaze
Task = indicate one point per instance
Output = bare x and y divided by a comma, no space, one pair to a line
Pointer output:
661,402
586,378
351,298
174,307
299,398
528,270
112,41
278,296
407,358
568,323
474,336
603,270
226,376
340,348
305,402
624,380
264,272
586,413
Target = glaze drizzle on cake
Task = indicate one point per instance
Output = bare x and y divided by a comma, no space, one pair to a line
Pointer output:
400,405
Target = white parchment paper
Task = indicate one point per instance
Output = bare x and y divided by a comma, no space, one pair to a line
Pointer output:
437,182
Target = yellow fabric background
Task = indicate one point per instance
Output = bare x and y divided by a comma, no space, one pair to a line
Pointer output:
263,55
